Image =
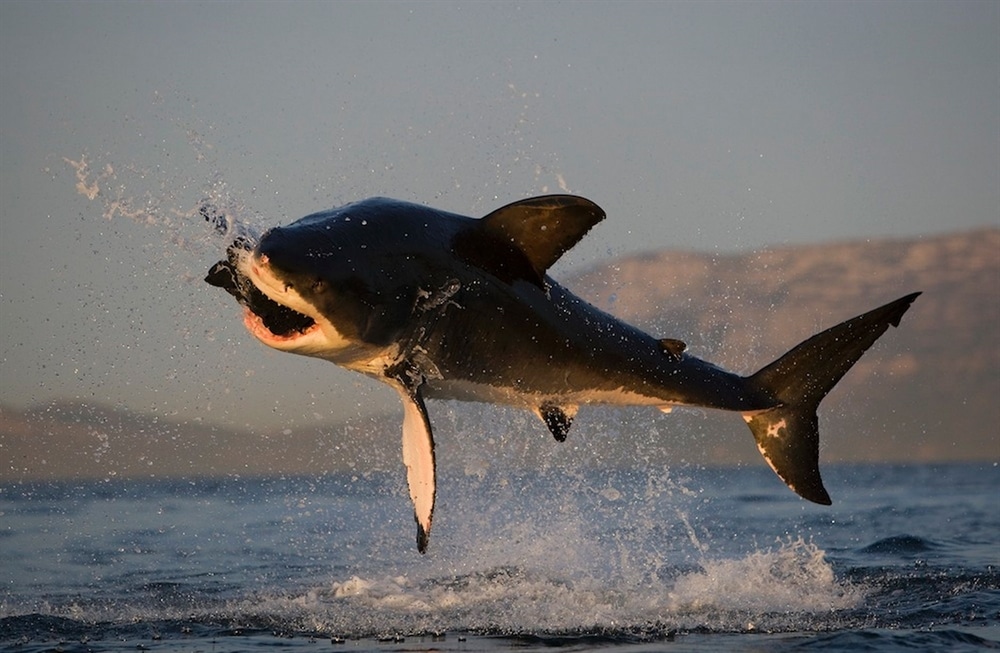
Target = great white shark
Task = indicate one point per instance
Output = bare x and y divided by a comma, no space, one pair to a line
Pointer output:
439,305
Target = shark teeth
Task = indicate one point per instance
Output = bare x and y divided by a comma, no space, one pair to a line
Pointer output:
279,320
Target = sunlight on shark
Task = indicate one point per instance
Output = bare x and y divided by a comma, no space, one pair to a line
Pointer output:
442,306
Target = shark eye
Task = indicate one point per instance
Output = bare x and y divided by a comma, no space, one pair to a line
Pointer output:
318,285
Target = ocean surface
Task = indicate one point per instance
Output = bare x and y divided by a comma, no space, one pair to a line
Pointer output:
685,559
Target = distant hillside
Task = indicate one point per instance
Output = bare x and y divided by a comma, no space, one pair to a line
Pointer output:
66,440
927,392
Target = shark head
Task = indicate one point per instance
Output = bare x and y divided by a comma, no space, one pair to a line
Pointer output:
289,302
339,285
346,284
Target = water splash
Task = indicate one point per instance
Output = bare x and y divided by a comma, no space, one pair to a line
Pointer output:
177,204
794,577
774,589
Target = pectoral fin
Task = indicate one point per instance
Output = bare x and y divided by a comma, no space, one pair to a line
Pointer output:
418,456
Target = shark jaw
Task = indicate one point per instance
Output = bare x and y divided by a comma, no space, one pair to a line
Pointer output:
277,314
281,318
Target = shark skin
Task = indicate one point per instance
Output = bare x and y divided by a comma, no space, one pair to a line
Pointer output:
443,306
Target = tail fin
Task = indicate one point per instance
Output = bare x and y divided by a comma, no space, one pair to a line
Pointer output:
788,435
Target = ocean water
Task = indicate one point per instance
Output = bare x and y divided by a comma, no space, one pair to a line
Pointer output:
680,559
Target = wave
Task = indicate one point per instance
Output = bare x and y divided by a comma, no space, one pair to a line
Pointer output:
900,545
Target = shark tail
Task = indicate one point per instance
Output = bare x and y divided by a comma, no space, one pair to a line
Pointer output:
788,435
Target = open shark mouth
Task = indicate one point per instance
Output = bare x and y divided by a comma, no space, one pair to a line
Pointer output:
279,320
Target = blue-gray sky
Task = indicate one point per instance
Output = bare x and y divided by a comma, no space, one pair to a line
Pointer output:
712,126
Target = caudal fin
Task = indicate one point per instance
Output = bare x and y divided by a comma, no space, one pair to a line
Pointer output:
788,435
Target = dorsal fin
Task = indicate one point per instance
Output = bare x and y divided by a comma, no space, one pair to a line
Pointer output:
545,227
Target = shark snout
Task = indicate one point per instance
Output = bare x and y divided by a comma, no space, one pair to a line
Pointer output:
277,243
